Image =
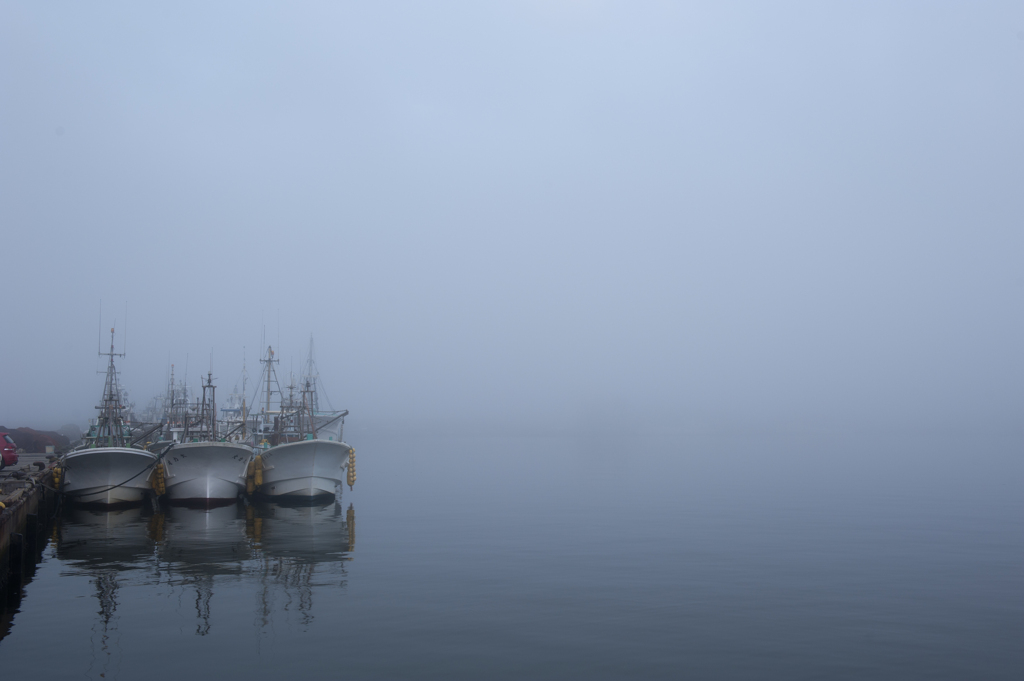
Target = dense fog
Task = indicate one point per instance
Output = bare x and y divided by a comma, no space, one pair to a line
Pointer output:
555,215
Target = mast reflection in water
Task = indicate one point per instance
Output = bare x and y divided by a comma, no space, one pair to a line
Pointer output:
183,557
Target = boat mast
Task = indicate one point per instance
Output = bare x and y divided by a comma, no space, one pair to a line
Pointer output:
208,414
271,376
169,406
269,361
307,407
245,415
110,419
310,378
213,407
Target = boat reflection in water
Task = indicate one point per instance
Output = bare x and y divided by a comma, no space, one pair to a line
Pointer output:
114,549
298,548
278,554
90,539
194,546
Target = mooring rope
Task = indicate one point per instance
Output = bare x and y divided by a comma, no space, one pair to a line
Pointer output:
122,484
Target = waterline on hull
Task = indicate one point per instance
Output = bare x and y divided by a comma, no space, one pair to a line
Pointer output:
107,498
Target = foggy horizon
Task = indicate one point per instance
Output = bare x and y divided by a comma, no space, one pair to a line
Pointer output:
561,216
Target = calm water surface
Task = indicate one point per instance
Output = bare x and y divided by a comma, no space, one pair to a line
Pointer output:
551,557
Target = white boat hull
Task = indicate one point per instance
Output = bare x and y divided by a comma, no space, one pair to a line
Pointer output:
305,469
199,471
107,475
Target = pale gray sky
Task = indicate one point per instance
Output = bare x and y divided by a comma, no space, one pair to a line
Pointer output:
537,213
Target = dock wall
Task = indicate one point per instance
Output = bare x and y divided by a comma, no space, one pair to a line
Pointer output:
29,505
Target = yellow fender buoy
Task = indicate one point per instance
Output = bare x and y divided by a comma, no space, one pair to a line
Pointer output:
55,472
157,479
351,467
254,474
250,481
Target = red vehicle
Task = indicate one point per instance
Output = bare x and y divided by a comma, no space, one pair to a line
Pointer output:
9,451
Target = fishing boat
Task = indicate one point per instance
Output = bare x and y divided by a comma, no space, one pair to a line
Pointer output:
110,468
300,451
201,465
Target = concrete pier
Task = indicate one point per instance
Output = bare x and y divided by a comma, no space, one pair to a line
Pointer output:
26,491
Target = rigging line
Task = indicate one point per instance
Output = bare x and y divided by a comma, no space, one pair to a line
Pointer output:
339,416
259,387
324,391
317,381
234,430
